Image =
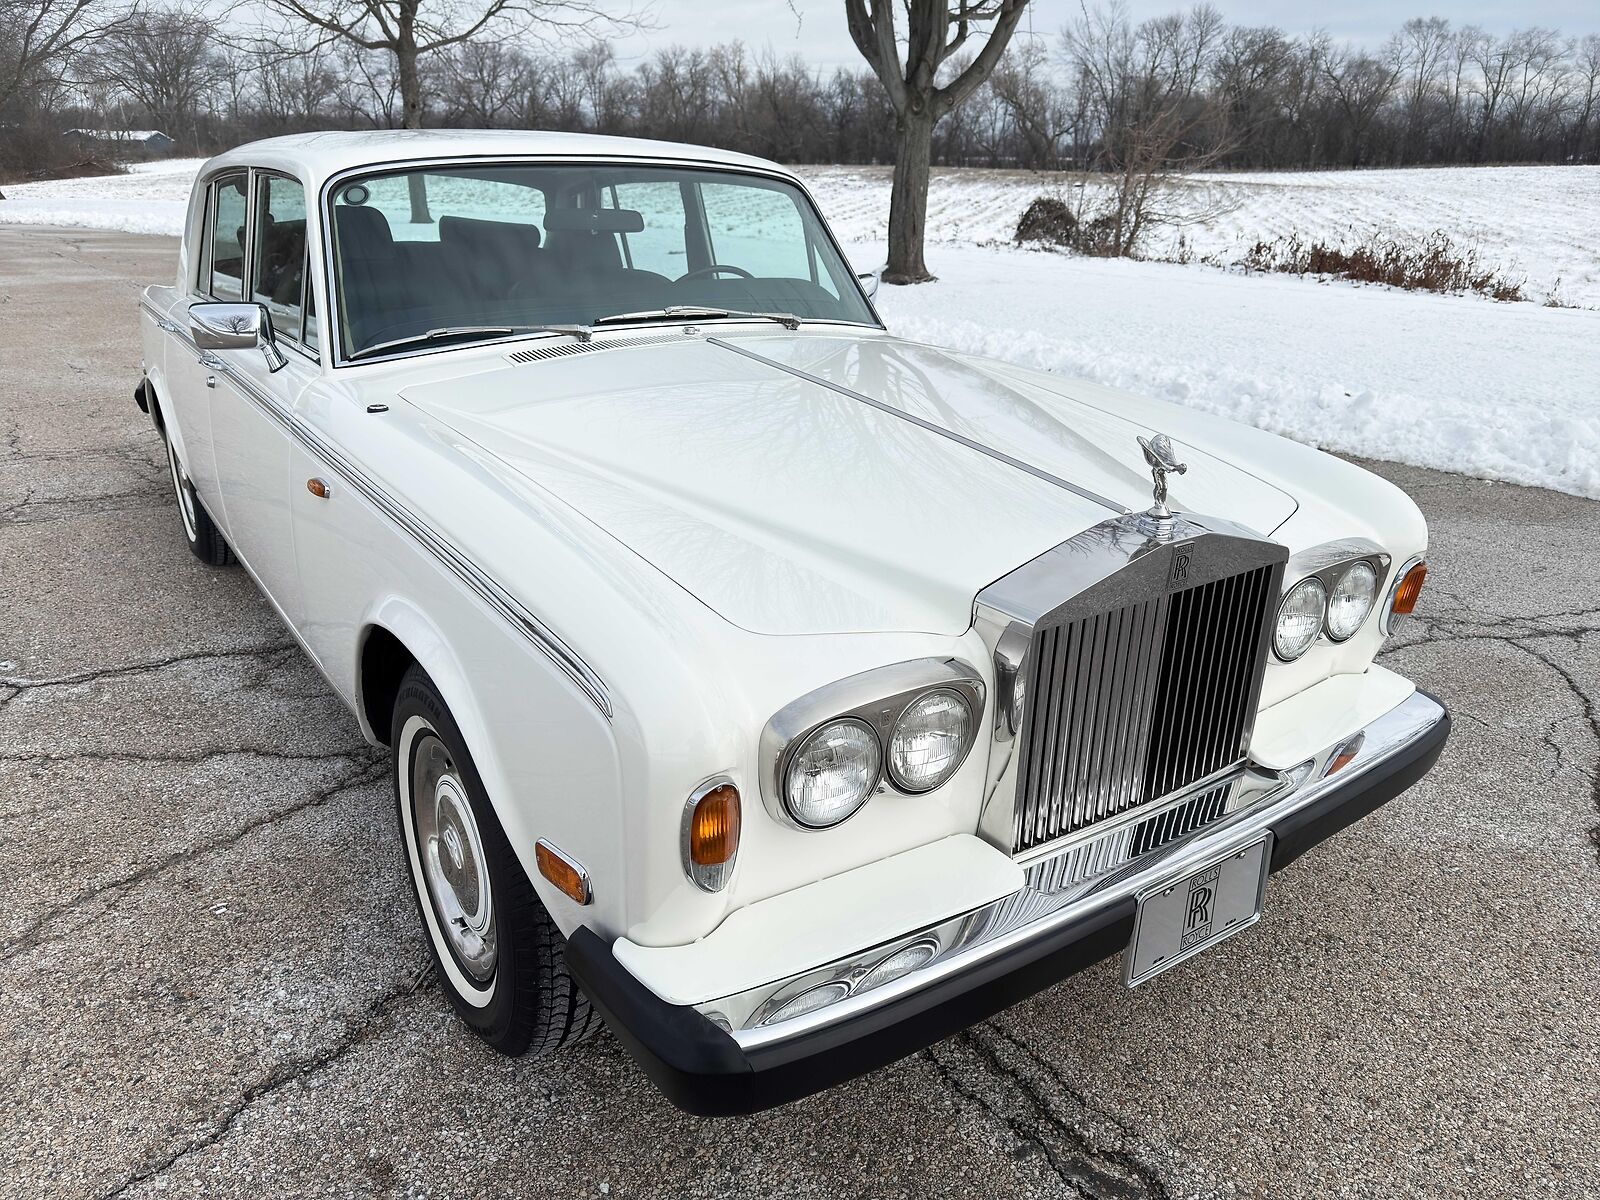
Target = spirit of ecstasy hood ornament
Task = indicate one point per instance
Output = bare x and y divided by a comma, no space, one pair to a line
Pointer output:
1163,460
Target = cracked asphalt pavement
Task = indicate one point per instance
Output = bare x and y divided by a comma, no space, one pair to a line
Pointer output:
211,980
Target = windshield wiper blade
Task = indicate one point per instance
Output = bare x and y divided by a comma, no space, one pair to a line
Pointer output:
787,320
582,332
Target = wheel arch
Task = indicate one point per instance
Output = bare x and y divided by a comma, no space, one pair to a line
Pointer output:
395,635
397,632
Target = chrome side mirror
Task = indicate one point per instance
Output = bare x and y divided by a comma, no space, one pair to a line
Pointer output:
236,327
869,283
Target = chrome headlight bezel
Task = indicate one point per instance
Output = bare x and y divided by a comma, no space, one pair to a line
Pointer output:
877,698
1328,563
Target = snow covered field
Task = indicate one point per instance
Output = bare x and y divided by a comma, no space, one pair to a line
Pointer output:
1541,223
1502,391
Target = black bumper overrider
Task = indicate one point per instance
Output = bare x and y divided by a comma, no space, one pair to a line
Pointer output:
704,1071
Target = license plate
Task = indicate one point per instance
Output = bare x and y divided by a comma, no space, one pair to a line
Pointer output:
1178,919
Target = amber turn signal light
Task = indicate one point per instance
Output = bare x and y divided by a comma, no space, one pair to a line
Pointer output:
1406,592
714,830
711,837
569,878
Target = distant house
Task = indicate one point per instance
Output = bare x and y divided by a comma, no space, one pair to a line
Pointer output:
141,141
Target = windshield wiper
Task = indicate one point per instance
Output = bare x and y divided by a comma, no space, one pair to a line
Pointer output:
582,332
787,320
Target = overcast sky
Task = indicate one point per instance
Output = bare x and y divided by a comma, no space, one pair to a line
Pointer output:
821,38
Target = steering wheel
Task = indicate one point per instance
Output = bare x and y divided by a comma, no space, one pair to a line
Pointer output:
715,269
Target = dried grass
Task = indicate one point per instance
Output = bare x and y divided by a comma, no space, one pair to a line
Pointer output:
1432,263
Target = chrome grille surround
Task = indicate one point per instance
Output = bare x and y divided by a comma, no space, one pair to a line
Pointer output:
1128,667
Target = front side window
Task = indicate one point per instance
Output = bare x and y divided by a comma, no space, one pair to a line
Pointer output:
278,271
225,235
448,254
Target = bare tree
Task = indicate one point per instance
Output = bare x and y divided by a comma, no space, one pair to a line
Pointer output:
485,83
1361,85
40,38
1040,112
164,60
1422,47
935,31
1152,116
1587,76
412,30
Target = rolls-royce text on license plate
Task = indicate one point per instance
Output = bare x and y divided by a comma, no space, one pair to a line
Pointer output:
1178,919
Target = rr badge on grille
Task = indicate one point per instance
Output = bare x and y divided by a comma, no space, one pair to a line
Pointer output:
1178,573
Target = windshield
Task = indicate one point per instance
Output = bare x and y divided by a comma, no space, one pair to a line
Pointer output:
452,254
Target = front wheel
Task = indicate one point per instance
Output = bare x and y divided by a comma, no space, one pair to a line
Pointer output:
500,956
199,530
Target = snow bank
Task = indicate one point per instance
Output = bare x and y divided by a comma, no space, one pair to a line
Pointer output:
151,198
1500,391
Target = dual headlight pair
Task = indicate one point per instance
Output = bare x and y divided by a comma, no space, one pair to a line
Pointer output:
831,755
1336,601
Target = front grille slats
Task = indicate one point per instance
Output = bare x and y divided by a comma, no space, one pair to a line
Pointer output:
1132,704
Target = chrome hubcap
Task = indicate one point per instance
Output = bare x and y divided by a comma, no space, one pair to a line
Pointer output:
453,859
180,484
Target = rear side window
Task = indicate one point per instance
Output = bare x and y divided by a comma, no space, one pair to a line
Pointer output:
226,234
279,271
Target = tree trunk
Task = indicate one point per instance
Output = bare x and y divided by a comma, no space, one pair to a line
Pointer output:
405,57
908,199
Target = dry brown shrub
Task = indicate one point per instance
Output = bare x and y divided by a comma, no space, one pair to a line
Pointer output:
1432,263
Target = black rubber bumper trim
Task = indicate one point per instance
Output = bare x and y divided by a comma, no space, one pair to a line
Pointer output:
1316,822
702,1069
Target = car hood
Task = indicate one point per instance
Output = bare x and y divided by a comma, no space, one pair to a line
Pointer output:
778,479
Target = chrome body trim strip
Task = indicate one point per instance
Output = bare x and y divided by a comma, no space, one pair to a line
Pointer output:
492,593
931,427
1046,902
339,360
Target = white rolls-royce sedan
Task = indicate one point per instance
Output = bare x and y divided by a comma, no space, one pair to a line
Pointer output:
787,693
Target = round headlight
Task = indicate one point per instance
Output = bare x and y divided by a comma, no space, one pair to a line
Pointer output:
1300,618
929,740
832,773
1352,600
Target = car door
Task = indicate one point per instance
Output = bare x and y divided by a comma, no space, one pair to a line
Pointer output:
218,274
252,405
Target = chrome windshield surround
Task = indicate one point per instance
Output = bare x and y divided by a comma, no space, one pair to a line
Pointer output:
1115,565
877,698
327,300
1051,898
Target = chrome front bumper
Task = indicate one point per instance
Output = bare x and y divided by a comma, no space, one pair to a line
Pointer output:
737,1054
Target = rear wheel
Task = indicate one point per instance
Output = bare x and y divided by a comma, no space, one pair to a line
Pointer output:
500,956
199,530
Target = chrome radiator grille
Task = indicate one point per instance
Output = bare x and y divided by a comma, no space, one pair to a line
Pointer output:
1138,702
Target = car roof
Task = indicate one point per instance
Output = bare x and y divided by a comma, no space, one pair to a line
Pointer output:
313,157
